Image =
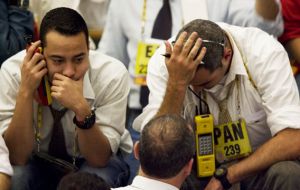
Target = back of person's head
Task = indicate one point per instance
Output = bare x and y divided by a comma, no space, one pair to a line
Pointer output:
65,21
82,181
166,145
214,40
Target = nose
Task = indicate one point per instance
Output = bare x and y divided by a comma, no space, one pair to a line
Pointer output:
69,70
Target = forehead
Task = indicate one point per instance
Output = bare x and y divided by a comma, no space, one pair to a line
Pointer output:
56,42
55,38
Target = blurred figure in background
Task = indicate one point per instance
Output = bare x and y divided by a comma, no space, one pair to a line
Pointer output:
93,11
291,35
15,23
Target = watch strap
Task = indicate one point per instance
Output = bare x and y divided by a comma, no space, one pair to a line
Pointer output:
223,178
87,123
225,183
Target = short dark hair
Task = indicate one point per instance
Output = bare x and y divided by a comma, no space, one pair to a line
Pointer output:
82,180
166,145
65,21
208,30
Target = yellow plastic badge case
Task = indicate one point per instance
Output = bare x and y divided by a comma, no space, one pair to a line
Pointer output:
145,50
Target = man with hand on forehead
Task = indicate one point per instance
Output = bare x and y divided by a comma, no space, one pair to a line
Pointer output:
85,123
242,77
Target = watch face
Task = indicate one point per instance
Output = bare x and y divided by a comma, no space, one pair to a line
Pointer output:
219,171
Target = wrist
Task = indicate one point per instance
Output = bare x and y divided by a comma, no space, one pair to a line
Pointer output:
221,175
82,110
25,93
87,123
177,86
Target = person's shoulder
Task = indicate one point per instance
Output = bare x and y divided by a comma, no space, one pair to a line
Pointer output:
12,64
100,60
104,65
252,38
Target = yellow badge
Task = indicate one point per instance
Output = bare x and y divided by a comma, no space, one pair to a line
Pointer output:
145,51
231,141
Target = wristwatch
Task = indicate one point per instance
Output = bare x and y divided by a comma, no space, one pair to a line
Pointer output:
87,123
221,175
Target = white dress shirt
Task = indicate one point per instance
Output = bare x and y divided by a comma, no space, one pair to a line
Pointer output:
271,108
5,166
144,183
123,27
105,86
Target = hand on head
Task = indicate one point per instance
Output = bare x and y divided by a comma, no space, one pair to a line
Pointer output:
185,58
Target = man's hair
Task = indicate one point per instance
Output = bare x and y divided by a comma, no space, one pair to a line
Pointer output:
166,145
65,21
210,31
82,180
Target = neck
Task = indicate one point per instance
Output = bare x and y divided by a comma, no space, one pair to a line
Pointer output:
175,181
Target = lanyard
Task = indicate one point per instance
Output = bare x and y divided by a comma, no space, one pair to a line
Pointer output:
38,133
143,19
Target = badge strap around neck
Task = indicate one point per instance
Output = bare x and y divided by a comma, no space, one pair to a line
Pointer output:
38,135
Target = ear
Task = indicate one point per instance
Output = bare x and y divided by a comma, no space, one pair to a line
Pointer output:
136,149
227,54
188,167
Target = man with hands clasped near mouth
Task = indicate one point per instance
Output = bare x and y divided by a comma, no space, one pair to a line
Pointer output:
89,92
242,77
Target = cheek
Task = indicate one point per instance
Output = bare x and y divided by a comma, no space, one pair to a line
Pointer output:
197,78
81,70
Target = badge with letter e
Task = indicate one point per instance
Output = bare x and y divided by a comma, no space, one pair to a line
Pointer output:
145,50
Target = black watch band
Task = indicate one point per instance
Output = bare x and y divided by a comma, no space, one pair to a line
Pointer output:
221,175
88,122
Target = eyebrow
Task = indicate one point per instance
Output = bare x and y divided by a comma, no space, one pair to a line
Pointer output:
56,57
61,57
80,54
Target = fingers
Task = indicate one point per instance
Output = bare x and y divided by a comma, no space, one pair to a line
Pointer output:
187,48
40,66
32,50
55,88
201,55
60,77
189,44
179,43
195,49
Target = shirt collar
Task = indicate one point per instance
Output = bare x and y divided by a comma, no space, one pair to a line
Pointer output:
141,182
